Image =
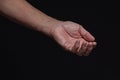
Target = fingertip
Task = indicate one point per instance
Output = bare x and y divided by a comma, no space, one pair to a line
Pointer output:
91,38
86,35
94,44
90,44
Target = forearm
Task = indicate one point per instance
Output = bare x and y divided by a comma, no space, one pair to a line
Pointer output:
22,12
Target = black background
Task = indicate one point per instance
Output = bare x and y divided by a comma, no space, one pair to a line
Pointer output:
33,55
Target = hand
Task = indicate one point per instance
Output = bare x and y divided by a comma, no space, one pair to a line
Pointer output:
74,38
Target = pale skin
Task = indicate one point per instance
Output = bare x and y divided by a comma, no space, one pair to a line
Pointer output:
69,35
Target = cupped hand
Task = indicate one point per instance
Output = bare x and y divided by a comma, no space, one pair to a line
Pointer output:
74,38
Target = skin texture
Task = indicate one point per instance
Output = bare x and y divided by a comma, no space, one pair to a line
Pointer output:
73,37
70,35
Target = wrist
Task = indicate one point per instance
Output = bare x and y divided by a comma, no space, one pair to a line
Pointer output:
53,26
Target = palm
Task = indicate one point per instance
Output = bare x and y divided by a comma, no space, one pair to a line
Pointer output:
66,40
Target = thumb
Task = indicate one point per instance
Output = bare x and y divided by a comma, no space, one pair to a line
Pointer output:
85,34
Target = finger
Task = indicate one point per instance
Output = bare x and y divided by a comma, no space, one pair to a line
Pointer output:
94,44
67,46
76,46
89,48
85,34
79,49
83,48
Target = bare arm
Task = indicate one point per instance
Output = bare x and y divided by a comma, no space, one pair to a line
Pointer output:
71,36
22,12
